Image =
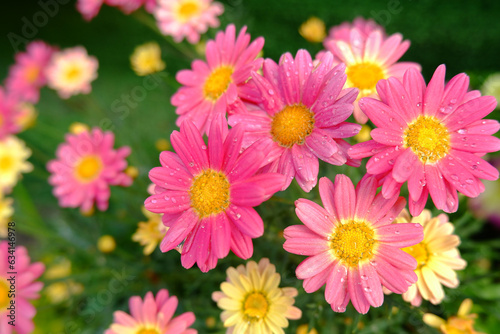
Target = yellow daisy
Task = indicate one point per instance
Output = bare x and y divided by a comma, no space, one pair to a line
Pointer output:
6,211
252,302
62,290
151,232
13,155
462,323
437,257
313,30
146,59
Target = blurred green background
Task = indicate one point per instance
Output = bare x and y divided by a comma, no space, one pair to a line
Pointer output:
462,34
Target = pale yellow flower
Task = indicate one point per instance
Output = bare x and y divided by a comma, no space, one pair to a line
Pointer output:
26,116
106,244
462,323
437,257
6,212
162,144
491,86
13,155
61,291
252,301
151,232
363,134
146,59
132,171
313,30
77,128
302,329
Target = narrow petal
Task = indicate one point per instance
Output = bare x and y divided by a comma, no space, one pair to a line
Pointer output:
434,92
345,197
314,265
314,217
400,235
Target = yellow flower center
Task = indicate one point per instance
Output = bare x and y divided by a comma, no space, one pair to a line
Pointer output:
209,193
427,138
88,168
31,73
364,75
420,253
292,125
73,73
353,242
187,10
147,331
6,163
255,306
4,291
217,82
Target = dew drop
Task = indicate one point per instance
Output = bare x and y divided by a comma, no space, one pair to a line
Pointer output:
474,167
469,181
203,147
340,309
396,232
462,131
391,162
368,289
453,101
191,164
364,277
154,201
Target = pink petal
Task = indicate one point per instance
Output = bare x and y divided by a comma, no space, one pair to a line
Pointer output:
387,136
356,292
241,244
405,165
436,186
247,220
459,177
345,197
414,84
365,193
326,193
469,112
380,113
336,286
365,149
306,167
301,241
434,92
454,92
315,282
475,143
314,217
396,256
390,277
477,166
416,181
314,265
371,285
383,161
221,235
178,231
416,207
400,235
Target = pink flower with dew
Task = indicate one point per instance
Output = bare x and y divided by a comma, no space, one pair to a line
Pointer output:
369,56
431,137
207,192
71,71
27,75
187,18
85,167
25,286
153,315
10,110
352,245
300,116
213,87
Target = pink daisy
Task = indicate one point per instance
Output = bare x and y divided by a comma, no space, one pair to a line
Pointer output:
369,56
301,116
154,315
26,289
27,76
211,88
10,110
187,18
206,194
85,167
432,137
352,245
90,8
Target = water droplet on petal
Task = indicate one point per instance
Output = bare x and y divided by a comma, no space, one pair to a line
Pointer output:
454,177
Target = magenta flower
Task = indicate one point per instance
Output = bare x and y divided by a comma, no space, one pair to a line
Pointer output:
10,111
187,18
26,289
206,194
302,116
27,75
211,88
352,246
432,137
85,167
369,56
90,8
154,315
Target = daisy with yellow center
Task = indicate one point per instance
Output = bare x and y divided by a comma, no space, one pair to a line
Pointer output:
352,245
13,156
313,30
437,258
151,232
369,56
253,302
462,323
71,71
431,137
187,18
6,212
146,59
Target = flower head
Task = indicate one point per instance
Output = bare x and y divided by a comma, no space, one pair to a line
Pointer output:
153,315
27,75
150,233
6,211
90,8
10,112
26,289
71,71
207,192
313,30
432,137
252,301
300,114
146,59
368,55
187,18
85,167
437,258
13,156
352,245
463,322
211,88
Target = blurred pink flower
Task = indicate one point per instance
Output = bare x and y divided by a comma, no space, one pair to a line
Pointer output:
71,71
152,315
207,193
432,137
26,289
352,245
10,110
342,32
301,116
27,75
90,8
212,88
85,167
187,18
